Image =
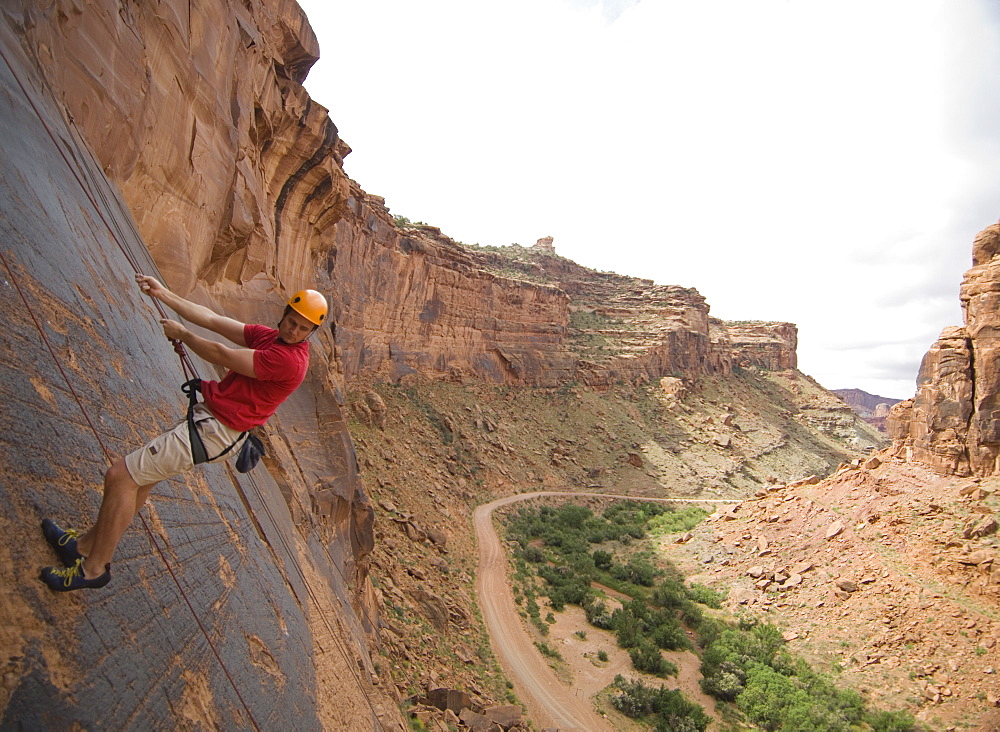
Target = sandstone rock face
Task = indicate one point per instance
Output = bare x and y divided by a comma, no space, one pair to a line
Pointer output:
981,309
953,422
939,413
770,346
220,593
198,114
413,300
234,176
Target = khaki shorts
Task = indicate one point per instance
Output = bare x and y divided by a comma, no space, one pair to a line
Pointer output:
170,454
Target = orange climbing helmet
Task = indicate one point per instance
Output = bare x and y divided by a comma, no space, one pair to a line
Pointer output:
310,305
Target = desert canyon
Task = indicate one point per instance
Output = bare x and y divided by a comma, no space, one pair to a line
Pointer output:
334,586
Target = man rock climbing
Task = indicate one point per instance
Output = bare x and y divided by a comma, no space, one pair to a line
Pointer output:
266,366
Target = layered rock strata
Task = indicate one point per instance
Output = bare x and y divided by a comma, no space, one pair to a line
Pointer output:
770,346
241,196
413,300
952,424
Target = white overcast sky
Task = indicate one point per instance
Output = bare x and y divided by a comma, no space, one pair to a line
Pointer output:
824,162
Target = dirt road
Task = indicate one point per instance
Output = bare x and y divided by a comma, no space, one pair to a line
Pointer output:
549,702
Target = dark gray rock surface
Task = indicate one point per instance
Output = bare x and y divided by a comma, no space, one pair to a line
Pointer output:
209,619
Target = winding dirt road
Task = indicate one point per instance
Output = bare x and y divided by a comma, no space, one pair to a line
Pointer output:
549,702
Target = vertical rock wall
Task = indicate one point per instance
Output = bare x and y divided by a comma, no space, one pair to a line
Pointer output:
952,424
198,114
219,599
770,346
981,309
414,300
235,178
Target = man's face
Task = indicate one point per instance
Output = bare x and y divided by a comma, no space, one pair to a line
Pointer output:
294,328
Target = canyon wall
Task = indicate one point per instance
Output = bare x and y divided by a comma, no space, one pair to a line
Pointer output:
177,139
235,179
952,423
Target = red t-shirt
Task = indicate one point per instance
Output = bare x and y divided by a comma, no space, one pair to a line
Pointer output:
244,403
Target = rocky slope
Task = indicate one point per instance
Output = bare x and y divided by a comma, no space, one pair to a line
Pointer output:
884,575
431,450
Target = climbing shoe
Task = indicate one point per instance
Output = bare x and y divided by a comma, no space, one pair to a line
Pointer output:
72,578
62,540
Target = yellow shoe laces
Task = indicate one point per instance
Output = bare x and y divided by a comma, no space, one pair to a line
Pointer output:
67,535
70,572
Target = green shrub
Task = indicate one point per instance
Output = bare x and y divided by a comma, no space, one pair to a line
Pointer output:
598,615
602,559
675,522
549,651
534,555
671,637
748,665
648,658
638,571
883,721
706,596
666,709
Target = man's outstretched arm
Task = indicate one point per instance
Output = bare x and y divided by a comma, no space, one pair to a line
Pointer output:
228,328
239,360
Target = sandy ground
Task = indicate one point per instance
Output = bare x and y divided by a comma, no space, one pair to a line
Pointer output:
591,676
552,701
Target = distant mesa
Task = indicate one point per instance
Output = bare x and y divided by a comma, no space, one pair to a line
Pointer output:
545,245
871,408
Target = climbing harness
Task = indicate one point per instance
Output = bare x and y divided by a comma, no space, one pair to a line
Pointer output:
249,454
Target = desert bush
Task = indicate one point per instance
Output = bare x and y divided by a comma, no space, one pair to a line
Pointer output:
706,595
534,555
666,709
602,559
648,658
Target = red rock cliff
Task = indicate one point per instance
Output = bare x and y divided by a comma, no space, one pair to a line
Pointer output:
952,423
225,171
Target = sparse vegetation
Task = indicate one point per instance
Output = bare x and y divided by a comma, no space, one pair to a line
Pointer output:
402,222
744,664
512,437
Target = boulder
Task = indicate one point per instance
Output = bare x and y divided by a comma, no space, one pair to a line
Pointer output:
673,388
432,607
474,720
452,699
506,715
835,529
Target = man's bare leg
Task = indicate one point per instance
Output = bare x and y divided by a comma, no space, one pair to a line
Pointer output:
123,498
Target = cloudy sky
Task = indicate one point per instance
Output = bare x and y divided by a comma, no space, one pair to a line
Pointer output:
824,162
